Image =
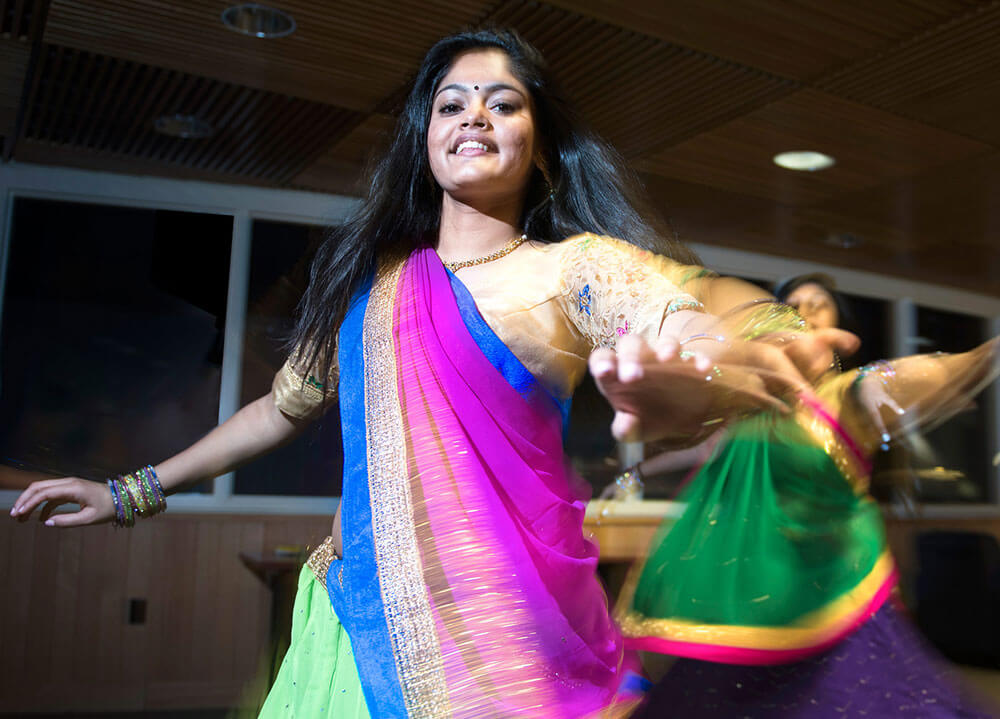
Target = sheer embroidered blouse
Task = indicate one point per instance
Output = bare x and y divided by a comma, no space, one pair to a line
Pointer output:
552,305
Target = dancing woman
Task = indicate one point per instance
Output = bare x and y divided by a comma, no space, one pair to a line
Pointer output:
451,319
775,584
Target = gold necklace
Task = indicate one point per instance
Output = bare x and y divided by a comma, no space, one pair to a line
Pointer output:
502,252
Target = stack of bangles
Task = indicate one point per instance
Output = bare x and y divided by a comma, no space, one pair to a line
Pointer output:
138,494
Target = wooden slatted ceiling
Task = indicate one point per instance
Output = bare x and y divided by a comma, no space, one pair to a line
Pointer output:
708,215
18,16
896,241
797,39
949,77
351,53
339,168
871,146
109,105
13,64
21,26
940,226
925,206
698,93
630,86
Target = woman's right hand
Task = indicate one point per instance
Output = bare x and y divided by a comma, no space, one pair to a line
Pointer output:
660,393
93,498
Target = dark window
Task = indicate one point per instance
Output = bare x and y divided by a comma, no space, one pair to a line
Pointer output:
869,319
111,335
279,272
958,467
589,442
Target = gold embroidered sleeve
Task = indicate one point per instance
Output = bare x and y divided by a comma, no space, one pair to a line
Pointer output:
611,288
298,393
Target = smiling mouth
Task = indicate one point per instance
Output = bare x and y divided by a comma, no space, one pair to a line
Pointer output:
470,147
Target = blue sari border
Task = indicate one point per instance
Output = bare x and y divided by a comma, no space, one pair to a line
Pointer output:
353,582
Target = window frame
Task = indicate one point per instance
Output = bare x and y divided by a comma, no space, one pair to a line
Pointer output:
246,204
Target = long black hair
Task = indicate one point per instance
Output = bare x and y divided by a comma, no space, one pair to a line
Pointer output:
585,187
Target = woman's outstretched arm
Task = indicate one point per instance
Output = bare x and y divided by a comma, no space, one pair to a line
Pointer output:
257,429
887,399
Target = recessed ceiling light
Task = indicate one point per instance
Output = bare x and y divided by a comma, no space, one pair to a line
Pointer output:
804,160
187,126
258,20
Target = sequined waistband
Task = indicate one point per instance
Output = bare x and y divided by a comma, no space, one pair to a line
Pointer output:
321,558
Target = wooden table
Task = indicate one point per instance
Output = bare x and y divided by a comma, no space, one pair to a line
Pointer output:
280,573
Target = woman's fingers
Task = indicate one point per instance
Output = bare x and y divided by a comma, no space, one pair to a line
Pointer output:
667,348
52,493
603,363
28,500
632,351
614,369
844,342
87,515
776,368
625,427
812,353
92,497
667,390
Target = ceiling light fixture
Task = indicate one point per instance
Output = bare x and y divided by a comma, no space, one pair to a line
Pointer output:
804,160
258,20
188,127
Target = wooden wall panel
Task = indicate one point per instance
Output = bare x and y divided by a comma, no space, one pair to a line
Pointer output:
16,630
250,615
65,644
65,640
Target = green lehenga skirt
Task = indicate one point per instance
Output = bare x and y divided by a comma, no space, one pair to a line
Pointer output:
318,677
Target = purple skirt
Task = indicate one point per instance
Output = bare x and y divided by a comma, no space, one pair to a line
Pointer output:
884,669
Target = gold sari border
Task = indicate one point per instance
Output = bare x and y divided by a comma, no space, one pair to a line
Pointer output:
406,604
810,630
848,463
321,558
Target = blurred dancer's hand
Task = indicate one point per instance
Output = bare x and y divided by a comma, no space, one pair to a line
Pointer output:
660,392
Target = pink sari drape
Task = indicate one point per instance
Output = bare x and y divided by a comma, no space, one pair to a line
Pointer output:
520,621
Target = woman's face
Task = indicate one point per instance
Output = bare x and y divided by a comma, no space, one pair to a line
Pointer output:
481,139
815,304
